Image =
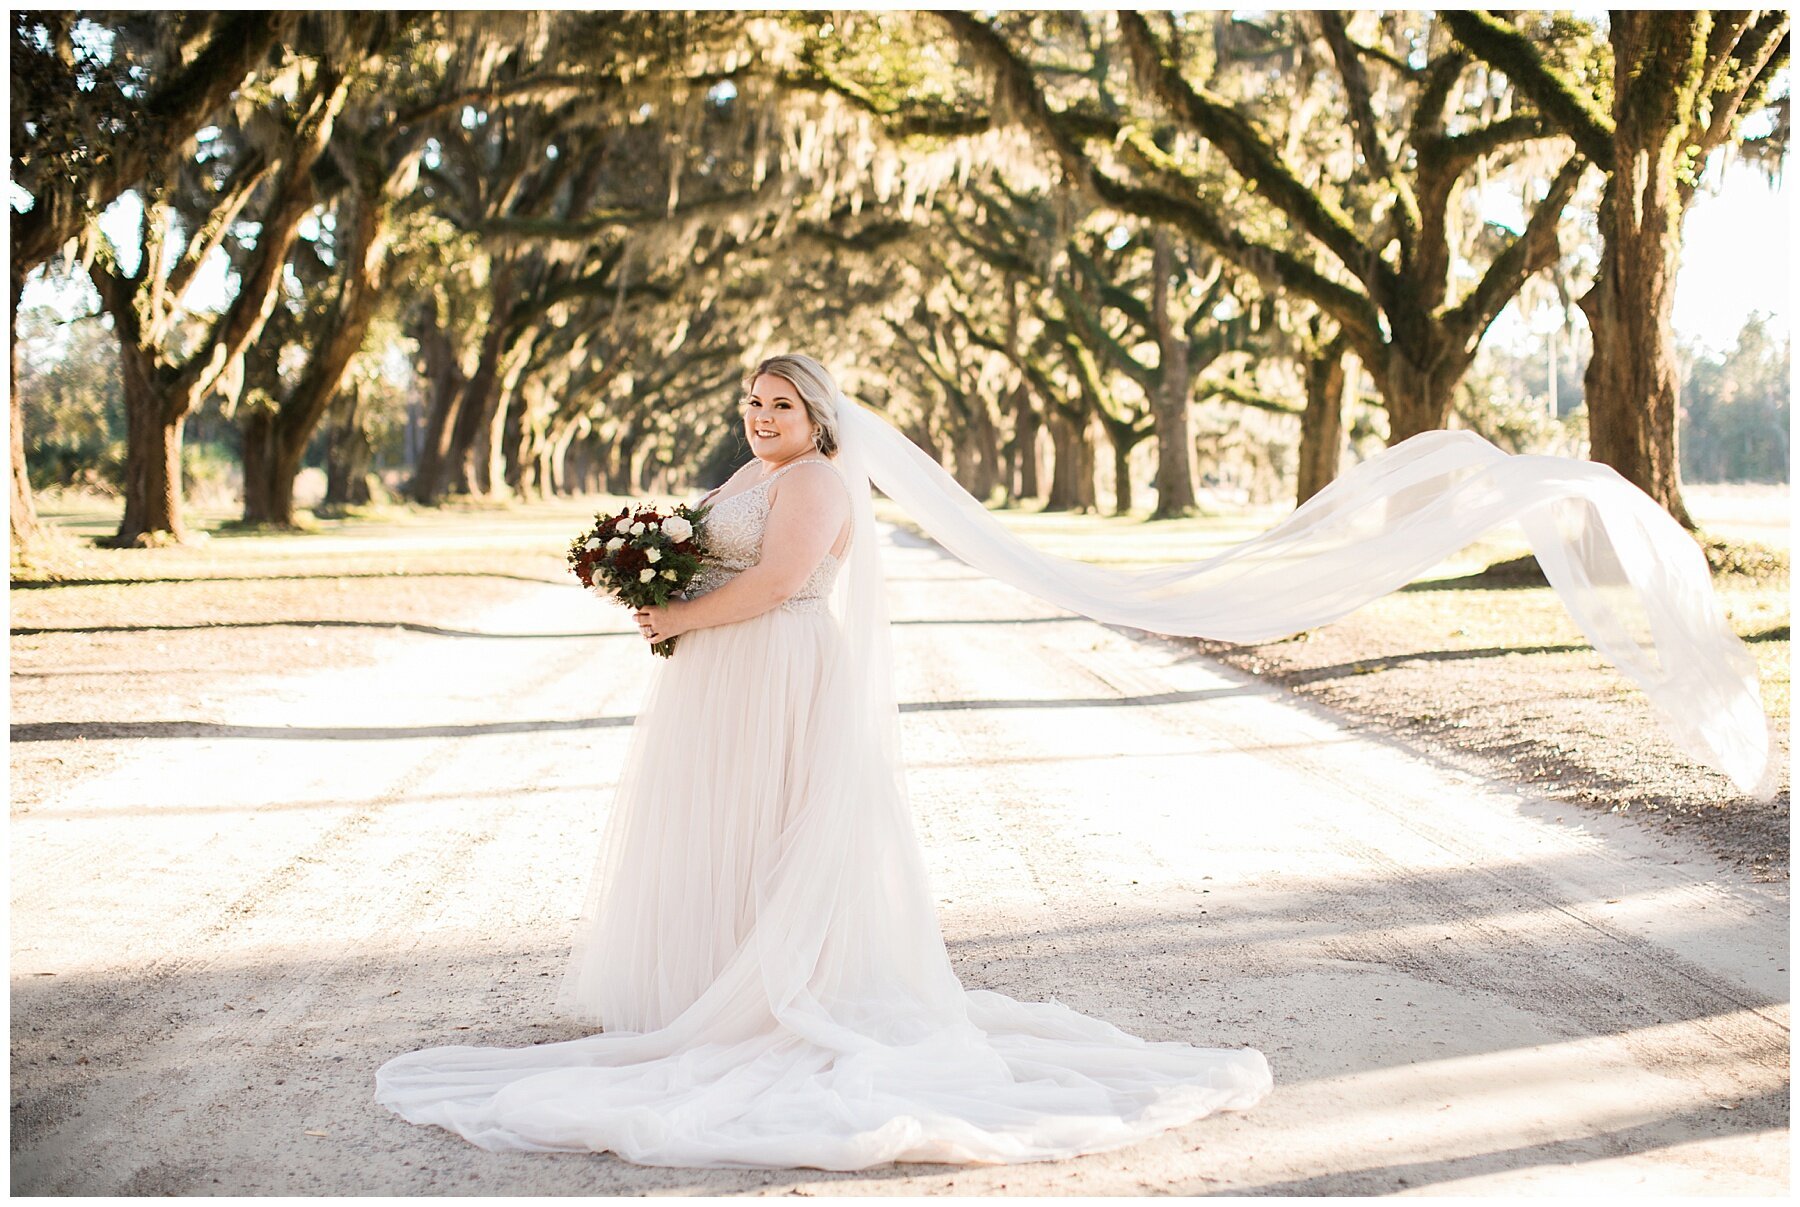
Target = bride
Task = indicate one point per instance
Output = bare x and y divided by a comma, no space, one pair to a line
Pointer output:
759,943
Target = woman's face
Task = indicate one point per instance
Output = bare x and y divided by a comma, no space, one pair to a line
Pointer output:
775,420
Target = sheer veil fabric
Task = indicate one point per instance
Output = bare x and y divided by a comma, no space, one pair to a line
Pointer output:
804,1012
1633,580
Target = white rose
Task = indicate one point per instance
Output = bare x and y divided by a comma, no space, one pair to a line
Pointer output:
636,530
622,524
645,576
677,528
653,555
669,574
651,525
593,543
615,543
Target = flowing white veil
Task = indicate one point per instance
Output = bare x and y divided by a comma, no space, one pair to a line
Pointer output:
1633,580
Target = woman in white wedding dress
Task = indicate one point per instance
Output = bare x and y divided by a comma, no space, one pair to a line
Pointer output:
760,944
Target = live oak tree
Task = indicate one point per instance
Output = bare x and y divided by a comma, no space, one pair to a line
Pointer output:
571,207
95,109
1145,307
1675,88
614,211
1373,245
325,326
367,221
1183,320
1001,300
287,124
1388,288
1028,239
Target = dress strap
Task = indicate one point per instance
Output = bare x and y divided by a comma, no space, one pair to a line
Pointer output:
809,461
849,524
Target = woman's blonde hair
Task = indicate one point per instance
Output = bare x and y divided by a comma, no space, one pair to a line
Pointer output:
817,390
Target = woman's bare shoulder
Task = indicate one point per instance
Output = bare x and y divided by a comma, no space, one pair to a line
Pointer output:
813,488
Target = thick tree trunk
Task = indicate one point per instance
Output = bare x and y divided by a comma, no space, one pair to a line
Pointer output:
279,437
1072,477
273,451
1174,483
25,530
475,420
650,467
573,469
1169,401
446,383
1417,397
1026,425
517,448
619,463
964,461
509,469
535,457
975,468
510,434
553,459
152,453
593,478
427,484
487,466
256,434
348,455
983,442
1322,423
467,443
1121,476
1632,385
582,469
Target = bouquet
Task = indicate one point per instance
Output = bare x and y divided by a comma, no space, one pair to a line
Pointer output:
641,557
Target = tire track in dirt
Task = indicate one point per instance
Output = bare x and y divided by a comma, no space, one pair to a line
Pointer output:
1507,931
1508,889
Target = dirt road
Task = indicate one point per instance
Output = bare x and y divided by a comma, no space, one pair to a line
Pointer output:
1459,990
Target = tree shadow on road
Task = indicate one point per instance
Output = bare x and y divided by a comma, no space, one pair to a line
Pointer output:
47,584
1760,1113
68,731
429,630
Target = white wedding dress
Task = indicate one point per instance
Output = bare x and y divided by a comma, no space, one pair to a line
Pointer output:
761,948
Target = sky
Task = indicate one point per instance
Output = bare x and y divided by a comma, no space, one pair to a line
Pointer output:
1736,256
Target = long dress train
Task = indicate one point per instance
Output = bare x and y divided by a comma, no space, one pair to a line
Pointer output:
761,947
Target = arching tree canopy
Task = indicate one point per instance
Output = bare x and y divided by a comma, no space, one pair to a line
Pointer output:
583,227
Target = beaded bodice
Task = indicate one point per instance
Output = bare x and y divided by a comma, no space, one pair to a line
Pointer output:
734,537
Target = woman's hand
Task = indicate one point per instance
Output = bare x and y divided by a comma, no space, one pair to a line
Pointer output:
660,622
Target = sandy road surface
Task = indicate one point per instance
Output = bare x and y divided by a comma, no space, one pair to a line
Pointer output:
1459,990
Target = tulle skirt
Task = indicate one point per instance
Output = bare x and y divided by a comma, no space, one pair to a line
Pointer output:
760,946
